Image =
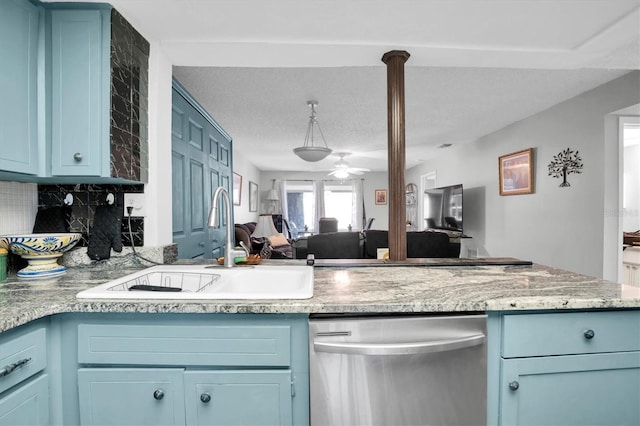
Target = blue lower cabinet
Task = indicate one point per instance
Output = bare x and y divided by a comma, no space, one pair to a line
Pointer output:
28,404
564,368
191,369
595,389
171,396
238,397
130,396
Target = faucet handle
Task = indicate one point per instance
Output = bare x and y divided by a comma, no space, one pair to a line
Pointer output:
245,248
237,253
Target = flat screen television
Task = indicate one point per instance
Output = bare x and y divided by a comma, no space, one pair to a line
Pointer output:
443,208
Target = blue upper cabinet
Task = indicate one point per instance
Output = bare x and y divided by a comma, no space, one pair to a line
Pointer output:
80,92
99,81
74,94
19,22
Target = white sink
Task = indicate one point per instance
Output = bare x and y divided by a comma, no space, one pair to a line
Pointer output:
199,282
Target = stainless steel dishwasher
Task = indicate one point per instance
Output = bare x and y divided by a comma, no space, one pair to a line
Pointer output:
398,370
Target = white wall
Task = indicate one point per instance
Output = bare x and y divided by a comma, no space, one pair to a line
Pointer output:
372,181
560,227
18,207
249,172
158,222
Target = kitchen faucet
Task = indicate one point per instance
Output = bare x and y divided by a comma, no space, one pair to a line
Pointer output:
229,252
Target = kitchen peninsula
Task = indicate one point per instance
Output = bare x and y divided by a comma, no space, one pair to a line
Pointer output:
532,313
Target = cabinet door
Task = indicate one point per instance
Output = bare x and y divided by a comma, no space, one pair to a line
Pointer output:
79,91
191,196
113,396
597,389
27,405
235,397
18,86
631,274
201,158
217,169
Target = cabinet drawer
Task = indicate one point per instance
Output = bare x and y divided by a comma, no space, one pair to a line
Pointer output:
218,345
570,333
21,357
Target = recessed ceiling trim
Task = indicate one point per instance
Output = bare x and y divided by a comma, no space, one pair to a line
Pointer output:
614,34
288,55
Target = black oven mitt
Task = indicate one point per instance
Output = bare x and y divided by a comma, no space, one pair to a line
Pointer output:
106,233
52,219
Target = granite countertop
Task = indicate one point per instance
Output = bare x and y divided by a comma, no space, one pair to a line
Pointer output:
410,287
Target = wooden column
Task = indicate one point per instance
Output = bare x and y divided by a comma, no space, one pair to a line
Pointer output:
395,60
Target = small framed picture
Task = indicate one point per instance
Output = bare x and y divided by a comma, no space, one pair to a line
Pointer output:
516,172
237,189
381,196
253,196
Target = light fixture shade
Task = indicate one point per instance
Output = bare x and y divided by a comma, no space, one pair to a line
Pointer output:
341,174
265,227
310,152
272,195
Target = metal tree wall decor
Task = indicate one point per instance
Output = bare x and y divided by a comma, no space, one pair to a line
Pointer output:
565,163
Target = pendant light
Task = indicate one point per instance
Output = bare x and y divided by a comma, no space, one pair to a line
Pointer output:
310,152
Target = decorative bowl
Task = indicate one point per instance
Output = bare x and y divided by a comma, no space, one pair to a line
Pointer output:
41,251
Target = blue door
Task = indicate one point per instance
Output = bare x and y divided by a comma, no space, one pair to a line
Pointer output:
201,161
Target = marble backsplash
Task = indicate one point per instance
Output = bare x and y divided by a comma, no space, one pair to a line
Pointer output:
20,203
86,198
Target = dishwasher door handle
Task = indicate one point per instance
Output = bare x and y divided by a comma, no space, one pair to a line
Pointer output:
400,348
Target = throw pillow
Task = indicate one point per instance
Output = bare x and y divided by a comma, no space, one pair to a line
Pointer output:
278,240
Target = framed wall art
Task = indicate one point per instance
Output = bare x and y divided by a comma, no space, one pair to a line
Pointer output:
516,172
237,189
253,196
381,196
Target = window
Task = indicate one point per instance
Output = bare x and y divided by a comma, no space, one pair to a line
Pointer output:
338,203
300,206
338,200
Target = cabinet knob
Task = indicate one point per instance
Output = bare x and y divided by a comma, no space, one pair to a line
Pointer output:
514,385
589,334
158,394
205,397
77,156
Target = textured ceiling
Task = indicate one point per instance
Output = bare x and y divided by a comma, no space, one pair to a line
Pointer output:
265,110
475,67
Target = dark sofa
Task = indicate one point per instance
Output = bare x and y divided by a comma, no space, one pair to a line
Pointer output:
357,245
336,245
243,233
420,244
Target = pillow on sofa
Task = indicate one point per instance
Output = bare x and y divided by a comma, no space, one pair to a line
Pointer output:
278,240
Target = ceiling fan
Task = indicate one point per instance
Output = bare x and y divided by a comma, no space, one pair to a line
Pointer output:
342,170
